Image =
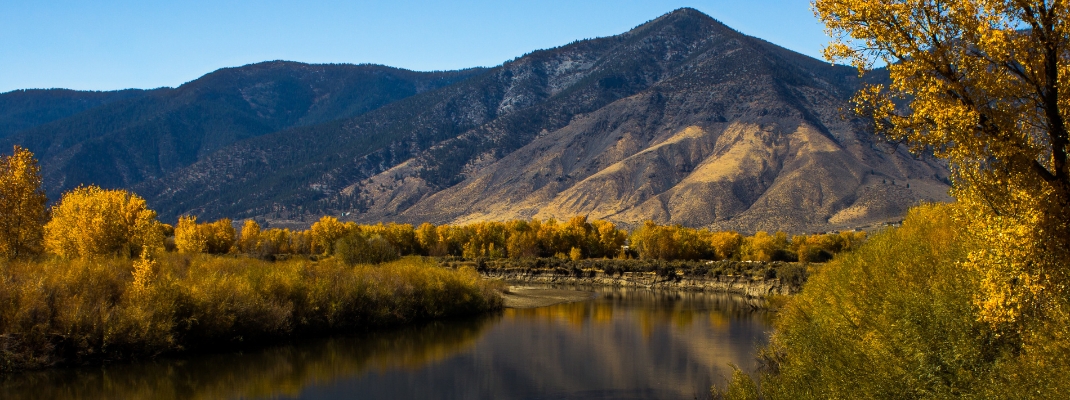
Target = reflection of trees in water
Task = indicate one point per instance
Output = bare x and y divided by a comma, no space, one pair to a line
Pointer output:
625,343
272,372
650,308
629,343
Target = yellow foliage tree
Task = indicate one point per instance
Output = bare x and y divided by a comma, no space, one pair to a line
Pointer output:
90,221
575,254
220,236
763,246
22,205
522,244
726,244
249,240
189,238
217,237
610,239
324,233
984,84
427,238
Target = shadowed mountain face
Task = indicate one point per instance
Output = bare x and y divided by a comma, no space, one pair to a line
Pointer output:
680,120
25,109
142,135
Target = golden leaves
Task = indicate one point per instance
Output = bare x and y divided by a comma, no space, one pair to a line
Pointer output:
217,237
22,205
984,84
325,232
90,221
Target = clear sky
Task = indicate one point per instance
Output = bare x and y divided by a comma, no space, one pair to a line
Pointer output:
108,44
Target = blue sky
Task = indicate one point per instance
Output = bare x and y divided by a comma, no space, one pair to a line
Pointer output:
105,44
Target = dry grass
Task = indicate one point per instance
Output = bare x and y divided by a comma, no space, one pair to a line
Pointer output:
71,312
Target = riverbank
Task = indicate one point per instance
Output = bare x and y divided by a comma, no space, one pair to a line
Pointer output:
750,287
74,312
749,279
531,297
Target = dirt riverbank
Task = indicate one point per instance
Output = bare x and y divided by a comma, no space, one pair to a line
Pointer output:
749,286
529,297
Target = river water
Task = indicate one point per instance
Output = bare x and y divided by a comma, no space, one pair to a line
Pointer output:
621,344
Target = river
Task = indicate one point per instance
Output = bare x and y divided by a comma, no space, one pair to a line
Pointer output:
620,344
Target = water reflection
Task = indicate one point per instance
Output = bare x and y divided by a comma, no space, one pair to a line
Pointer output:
282,371
622,344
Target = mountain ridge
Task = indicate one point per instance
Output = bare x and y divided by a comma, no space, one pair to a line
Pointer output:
680,120
145,137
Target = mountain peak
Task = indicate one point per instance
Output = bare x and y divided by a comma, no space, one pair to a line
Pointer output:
680,120
688,12
684,21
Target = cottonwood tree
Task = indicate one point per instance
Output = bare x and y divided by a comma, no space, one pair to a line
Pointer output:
90,222
22,205
217,237
985,85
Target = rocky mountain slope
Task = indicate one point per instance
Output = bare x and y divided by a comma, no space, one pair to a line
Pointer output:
680,120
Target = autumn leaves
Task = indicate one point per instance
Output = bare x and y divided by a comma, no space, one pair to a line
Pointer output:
22,205
90,222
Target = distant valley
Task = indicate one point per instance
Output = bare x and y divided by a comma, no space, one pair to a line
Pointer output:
681,120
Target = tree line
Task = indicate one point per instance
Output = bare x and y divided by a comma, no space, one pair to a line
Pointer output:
90,221
87,280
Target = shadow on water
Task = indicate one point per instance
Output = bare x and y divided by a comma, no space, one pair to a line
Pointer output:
267,373
624,343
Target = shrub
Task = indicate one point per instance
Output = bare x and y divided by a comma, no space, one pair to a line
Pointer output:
106,308
899,318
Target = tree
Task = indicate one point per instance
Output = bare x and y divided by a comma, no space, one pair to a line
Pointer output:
985,85
726,244
90,221
22,205
189,238
575,254
220,236
249,239
325,233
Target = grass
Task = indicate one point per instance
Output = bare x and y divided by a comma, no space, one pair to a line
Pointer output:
60,312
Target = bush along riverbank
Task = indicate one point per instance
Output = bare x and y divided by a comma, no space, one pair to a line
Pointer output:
751,279
82,311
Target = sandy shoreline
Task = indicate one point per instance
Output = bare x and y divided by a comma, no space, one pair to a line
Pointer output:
529,297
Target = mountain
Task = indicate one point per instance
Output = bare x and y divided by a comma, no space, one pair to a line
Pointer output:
24,109
680,120
146,136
